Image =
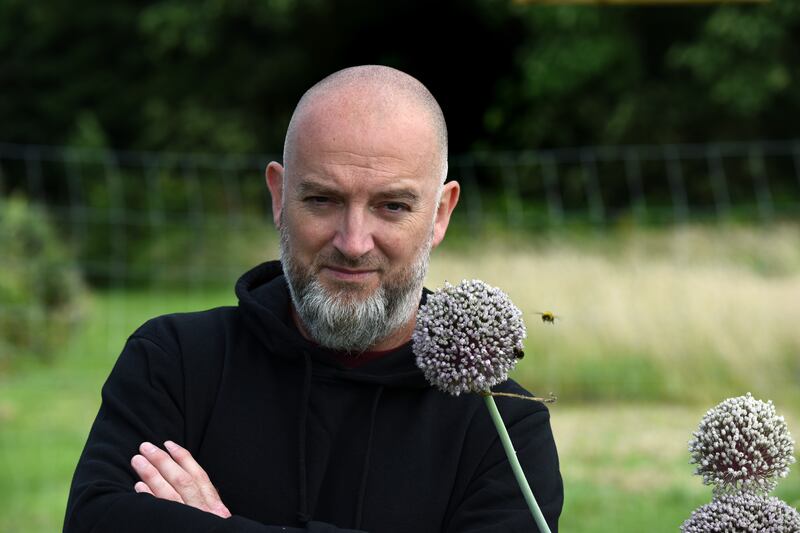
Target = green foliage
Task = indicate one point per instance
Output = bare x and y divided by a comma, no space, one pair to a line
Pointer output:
574,72
224,76
743,58
161,219
41,293
599,75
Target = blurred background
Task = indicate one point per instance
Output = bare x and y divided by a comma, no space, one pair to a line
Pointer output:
633,168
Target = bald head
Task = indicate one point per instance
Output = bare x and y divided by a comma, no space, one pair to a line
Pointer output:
359,203
364,96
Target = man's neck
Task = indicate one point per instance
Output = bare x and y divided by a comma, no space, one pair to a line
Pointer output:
395,340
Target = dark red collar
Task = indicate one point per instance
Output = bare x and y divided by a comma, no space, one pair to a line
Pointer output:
346,359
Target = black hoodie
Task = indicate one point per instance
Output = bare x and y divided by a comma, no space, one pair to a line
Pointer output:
294,441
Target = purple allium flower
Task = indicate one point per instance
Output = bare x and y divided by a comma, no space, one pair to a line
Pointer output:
743,512
742,444
467,337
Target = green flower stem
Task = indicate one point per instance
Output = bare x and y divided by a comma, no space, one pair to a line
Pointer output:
515,466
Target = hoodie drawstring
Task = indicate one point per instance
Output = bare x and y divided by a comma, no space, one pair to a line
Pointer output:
302,513
365,471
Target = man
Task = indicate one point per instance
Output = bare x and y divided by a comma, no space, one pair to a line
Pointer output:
301,409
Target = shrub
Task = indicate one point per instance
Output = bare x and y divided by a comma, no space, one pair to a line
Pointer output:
41,291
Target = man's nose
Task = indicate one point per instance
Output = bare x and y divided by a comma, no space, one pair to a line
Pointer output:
354,236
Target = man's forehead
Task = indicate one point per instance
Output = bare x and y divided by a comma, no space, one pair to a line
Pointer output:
365,96
402,144
408,190
380,133
364,107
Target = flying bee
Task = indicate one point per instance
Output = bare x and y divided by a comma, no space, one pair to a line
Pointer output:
519,354
547,316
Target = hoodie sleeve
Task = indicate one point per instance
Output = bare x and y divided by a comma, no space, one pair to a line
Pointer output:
493,501
142,400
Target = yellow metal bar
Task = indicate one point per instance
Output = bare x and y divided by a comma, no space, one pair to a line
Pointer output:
636,2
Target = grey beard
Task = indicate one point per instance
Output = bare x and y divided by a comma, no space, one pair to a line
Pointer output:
340,321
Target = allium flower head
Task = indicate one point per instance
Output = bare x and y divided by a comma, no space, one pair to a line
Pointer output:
743,512
467,337
742,444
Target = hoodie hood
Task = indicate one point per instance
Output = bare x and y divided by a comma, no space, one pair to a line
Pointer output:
264,301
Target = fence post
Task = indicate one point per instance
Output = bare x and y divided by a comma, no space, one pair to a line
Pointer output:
514,208
680,207
595,198
3,190
33,173
633,177
760,183
194,197
719,181
555,209
796,157
78,229
473,194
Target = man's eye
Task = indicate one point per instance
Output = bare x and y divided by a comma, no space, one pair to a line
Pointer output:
318,200
395,207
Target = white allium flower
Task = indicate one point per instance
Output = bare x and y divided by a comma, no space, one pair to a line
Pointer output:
467,337
743,512
742,444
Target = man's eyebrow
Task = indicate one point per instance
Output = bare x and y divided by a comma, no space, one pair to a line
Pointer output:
310,187
398,194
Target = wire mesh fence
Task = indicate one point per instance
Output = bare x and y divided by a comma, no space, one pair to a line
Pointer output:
133,218
669,184
141,217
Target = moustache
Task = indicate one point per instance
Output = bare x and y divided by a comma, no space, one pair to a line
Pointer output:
337,259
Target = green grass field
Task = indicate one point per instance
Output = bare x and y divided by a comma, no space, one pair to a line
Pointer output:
654,330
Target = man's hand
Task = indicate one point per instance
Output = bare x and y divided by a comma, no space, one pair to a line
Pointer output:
176,476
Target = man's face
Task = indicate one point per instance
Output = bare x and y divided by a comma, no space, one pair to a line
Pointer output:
341,319
357,217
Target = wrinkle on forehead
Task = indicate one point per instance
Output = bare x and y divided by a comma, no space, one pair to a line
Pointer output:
358,119
359,179
387,164
392,146
366,171
358,155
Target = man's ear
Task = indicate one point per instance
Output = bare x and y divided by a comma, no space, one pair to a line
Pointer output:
448,201
274,175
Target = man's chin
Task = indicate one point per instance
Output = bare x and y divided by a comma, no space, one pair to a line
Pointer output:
335,284
349,292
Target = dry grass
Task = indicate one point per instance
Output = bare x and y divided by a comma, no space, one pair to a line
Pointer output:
632,447
694,314
626,467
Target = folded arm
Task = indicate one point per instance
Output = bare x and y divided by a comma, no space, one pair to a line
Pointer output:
142,401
